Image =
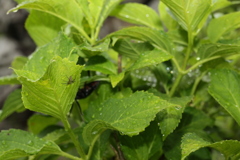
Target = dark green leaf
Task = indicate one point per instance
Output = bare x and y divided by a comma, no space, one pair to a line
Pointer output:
12,104
143,146
130,48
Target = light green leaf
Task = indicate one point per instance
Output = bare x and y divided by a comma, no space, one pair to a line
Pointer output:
165,17
149,58
157,38
54,93
37,123
190,14
192,142
63,10
11,79
43,27
131,49
116,78
219,4
100,9
42,57
19,62
12,104
137,13
100,64
13,147
225,89
213,51
218,27
143,146
132,114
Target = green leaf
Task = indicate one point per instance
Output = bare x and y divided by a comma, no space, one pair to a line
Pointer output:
100,9
42,57
137,13
115,79
165,17
13,147
12,104
225,89
19,62
219,4
149,58
131,49
190,14
37,123
100,64
218,27
213,51
54,93
143,146
169,118
11,79
193,120
90,50
157,38
63,10
43,27
192,142
130,115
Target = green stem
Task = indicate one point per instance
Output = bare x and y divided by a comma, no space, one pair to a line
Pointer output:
64,154
198,79
175,84
92,145
74,138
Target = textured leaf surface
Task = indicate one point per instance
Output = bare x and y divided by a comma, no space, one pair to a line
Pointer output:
63,10
192,142
193,120
100,9
131,49
37,123
14,147
169,118
100,64
54,93
138,14
225,89
131,114
190,14
218,27
115,79
43,27
42,57
157,38
153,57
6,80
12,104
217,50
143,146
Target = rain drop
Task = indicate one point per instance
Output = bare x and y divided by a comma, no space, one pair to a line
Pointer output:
30,143
94,132
147,15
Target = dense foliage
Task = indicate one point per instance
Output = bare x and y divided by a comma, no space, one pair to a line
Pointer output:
165,88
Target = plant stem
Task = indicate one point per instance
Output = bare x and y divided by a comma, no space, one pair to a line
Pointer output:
74,138
92,145
181,72
198,79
